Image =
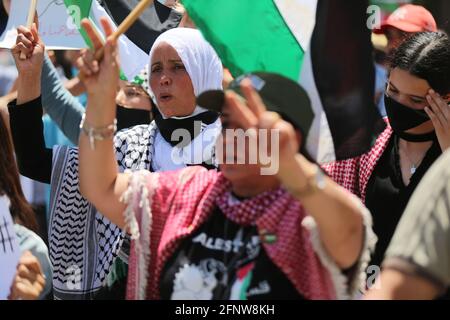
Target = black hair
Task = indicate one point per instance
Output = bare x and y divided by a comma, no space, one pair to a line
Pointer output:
426,55
63,63
20,209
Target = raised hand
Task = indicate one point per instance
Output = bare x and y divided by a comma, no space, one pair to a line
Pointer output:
439,113
253,115
28,42
101,78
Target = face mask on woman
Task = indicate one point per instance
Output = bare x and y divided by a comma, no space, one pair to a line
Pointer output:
127,118
403,118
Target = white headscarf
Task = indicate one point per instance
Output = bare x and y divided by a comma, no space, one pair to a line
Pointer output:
199,58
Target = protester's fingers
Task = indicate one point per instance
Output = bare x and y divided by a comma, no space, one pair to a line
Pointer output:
434,119
286,130
87,63
288,140
254,101
82,67
20,48
26,32
25,290
238,112
436,111
40,280
36,20
24,40
92,33
268,120
30,261
80,63
111,50
15,49
19,287
13,292
37,39
107,27
24,272
435,99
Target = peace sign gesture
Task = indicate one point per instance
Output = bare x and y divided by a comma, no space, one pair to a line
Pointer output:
282,143
100,78
439,113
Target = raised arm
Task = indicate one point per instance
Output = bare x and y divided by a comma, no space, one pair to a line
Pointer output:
34,159
337,213
59,103
100,181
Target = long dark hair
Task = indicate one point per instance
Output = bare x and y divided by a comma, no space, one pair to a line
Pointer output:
10,186
426,55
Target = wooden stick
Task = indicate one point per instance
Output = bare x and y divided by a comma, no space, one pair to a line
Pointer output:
126,24
30,19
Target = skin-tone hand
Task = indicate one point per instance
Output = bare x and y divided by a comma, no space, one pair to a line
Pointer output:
396,285
29,281
28,82
28,42
255,116
86,63
101,78
99,180
98,80
341,232
440,116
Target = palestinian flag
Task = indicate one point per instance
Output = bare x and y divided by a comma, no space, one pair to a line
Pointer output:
60,30
132,58
242,282
322,44
156,19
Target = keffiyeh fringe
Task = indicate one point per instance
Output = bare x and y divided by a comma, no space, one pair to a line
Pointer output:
345,288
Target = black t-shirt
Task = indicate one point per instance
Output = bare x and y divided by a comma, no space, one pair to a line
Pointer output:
223,261
387,195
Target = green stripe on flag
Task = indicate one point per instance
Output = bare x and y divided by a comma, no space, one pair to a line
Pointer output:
248,35
84,7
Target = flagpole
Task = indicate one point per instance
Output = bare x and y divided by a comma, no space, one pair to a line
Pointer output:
126,24
30,19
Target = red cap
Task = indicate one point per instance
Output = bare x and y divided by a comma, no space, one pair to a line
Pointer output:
409,18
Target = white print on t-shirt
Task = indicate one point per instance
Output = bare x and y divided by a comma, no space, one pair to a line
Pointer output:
219,244
193,283
262,288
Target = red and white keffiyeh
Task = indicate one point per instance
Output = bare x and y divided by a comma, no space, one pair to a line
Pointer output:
164,208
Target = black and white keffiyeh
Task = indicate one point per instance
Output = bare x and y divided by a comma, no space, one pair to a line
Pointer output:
83,243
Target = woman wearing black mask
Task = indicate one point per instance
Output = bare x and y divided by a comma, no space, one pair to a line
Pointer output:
418,131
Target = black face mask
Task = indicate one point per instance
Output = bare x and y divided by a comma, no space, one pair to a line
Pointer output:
402,118
127,118
168,126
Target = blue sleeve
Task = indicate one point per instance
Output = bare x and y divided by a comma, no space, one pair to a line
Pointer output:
59,103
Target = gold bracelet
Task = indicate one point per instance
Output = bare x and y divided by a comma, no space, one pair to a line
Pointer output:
99,133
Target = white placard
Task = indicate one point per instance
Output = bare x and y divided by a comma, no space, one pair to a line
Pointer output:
55,25
9,249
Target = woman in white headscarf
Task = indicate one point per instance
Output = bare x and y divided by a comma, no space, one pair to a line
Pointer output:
82,242
183,65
